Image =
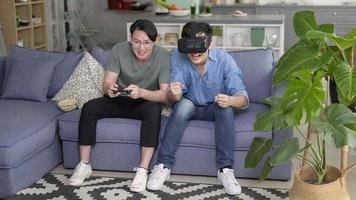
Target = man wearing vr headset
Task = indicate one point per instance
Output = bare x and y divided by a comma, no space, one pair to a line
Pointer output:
135,82
206,84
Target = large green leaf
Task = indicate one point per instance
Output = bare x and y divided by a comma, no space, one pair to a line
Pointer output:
351,35
345,78
338,123
266,169
272,118
327,28
285,152
341,43
304,21
282,155
259,148
304,94
303,54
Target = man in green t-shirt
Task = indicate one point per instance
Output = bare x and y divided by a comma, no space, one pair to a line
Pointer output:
135,82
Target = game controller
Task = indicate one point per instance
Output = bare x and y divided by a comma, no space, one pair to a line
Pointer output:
122,91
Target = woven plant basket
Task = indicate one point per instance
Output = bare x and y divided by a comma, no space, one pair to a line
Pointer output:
333,189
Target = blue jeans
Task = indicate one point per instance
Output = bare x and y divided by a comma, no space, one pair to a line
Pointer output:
183,111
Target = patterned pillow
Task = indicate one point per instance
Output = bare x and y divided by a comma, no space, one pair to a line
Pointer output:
84,84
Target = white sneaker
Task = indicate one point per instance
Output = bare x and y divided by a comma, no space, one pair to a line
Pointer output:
138,184
157,177
228,180
81,172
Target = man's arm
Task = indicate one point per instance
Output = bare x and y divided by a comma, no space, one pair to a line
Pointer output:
175,92
109,83
155,96
224,101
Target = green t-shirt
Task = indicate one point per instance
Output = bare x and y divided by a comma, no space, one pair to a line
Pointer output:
149,76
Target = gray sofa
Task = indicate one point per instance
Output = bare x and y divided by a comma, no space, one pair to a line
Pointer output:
117,145
29,142
34,133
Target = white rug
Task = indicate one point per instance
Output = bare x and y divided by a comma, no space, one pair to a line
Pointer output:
52,186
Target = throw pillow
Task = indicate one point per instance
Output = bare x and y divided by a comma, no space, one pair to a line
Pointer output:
17,52
166,110
63,71
68,104
28,79
85,83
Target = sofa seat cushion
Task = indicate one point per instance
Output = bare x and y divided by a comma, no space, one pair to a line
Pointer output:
25,127
107,129
198,133
201,133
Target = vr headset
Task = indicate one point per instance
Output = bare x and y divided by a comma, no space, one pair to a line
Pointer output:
193,45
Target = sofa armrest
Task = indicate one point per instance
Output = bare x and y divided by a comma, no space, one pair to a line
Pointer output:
279,89
280,136
2,71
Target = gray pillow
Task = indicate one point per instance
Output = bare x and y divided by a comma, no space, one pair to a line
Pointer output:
28,80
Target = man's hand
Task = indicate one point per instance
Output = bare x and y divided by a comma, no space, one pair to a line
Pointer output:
175,91
112,91
176,88
136,92
223,100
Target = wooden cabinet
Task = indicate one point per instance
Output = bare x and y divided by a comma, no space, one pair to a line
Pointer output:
25,23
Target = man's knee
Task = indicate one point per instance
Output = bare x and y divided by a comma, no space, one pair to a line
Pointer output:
91,106
153,108
226,112
183,108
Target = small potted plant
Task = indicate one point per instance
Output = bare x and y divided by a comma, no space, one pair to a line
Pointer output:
217,35
318,55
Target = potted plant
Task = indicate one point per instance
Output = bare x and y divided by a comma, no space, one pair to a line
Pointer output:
217,35
318,55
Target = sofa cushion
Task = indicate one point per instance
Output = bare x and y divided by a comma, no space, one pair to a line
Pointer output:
29,54
101,55
25,127
28,79
257,69
85,83
2,71
63,70
198,133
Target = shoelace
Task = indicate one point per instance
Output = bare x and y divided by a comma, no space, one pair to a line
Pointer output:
230,177
139,174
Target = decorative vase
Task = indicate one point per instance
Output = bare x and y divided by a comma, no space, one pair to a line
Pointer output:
257,36
334,187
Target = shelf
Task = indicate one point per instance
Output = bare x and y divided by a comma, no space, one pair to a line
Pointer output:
233,36
40,46
30,36
22,4
20,28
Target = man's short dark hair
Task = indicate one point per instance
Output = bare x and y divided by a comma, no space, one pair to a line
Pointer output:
146,26
190,29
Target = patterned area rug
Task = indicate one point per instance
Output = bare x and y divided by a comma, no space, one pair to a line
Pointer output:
52,186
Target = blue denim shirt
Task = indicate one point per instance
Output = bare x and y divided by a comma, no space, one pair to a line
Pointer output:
221,76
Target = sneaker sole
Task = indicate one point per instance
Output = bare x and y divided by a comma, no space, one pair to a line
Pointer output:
136,190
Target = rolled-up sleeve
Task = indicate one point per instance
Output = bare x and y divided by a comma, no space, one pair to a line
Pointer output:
233,81
176,70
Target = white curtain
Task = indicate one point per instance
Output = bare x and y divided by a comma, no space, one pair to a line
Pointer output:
2,43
